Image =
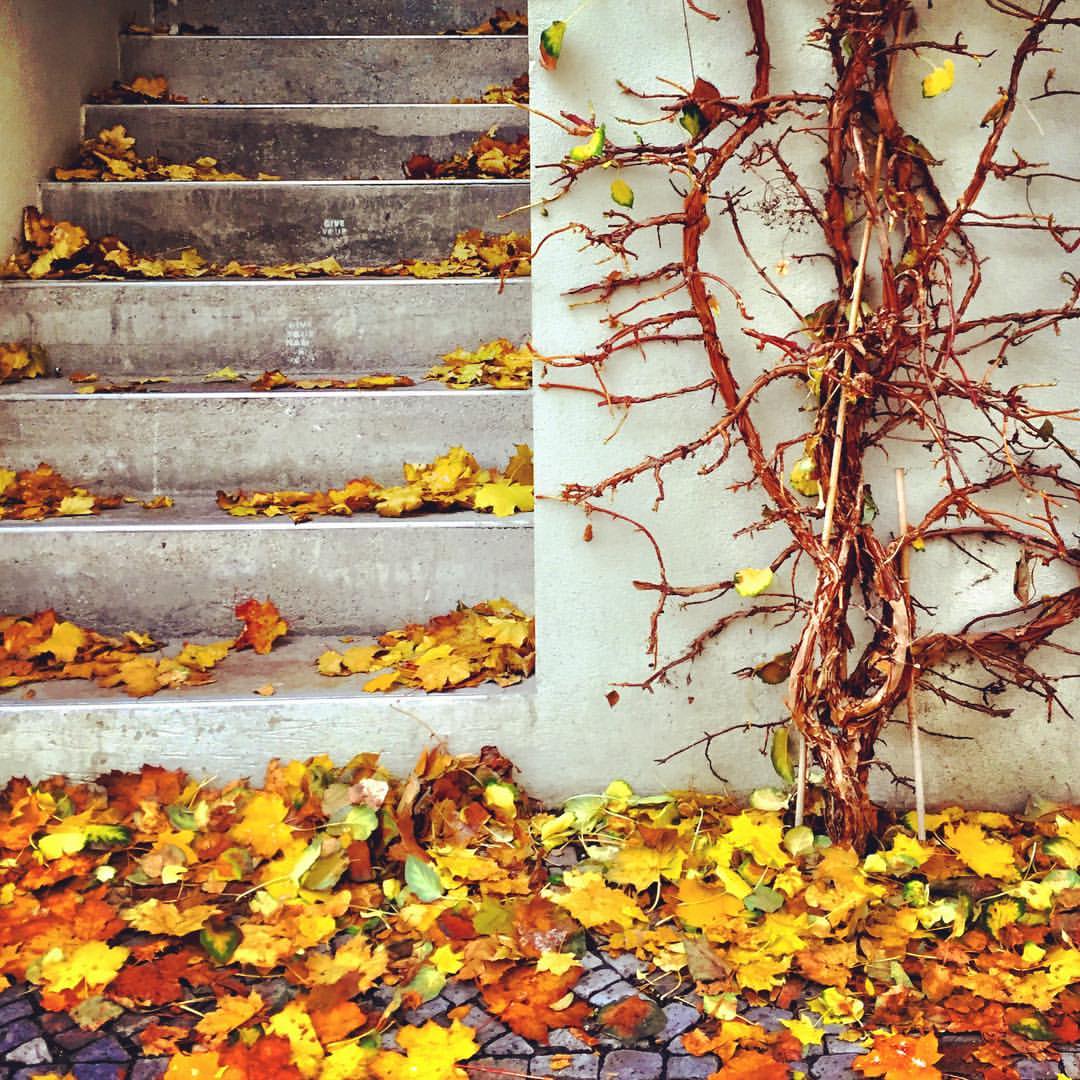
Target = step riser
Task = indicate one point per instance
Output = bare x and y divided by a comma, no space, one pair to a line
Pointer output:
84,743
180,328
329,16
360,225
273,442
327,70
361,143
355,581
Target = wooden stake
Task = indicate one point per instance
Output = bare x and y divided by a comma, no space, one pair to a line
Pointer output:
913,724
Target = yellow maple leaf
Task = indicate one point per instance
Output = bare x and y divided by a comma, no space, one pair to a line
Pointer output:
431,1053
204,657
160,917
76,505
594,903
64,642
556,963
640,866
294,1024
346,1062
985,855
93,964
231,1013
262,827
761,833
447,960
804,1029
708,907
939,80
504,498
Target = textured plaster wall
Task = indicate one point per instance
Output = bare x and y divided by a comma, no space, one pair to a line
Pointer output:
52,54
592,623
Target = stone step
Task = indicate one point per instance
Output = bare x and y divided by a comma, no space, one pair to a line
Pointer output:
328,16
307,141
374,574
143,444
225,730
327,70
190,328
360,223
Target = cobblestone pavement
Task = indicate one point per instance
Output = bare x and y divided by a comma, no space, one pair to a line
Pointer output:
34,1042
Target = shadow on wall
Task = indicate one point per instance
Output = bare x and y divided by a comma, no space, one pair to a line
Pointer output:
51,56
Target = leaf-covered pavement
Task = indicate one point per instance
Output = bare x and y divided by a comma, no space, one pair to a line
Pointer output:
339,922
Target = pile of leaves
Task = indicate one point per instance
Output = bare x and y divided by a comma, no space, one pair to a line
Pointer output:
487,157
497,364
275,380
490,642
502,22
142,90
36,494
171,29
52,249
361,894
44,647
21,360
453,481
111,155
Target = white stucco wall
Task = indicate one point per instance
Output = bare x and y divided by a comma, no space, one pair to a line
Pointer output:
592,623
52,54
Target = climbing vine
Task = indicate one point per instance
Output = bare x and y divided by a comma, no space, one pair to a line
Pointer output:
907,346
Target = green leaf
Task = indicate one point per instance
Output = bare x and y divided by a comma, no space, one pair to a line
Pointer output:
591,149
752,581
427,982
764,899
361,821
1032,1027
693,119
325,872
780,755
108,835
799,840
769,798
181,818
622,193
220,944
551,43
423,879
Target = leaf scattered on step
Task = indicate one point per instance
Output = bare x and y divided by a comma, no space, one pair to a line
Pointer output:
141,90
490,642
454,481
21,360
514,93
275,380
501,22
487,157
111,156
36,494
52,249
497,364
43,647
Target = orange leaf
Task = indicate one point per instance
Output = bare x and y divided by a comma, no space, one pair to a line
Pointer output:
263,625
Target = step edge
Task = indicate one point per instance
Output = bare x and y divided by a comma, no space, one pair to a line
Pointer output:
46,186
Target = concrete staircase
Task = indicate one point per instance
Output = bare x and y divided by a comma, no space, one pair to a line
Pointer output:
333,96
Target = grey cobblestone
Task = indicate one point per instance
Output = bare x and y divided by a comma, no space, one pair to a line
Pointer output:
104,1049
692,1068
578,1066
768,1016
1037,1070
1070,1064
594,981
149,1069
18,1033
457,993
627,965
15,1011
494,1068
590,961
833,1067
680,1018
632,1065
565,1039
100,1070
836,1045
34,1052
509,1045
610,994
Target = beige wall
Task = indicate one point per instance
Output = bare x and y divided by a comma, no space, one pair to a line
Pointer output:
52,54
